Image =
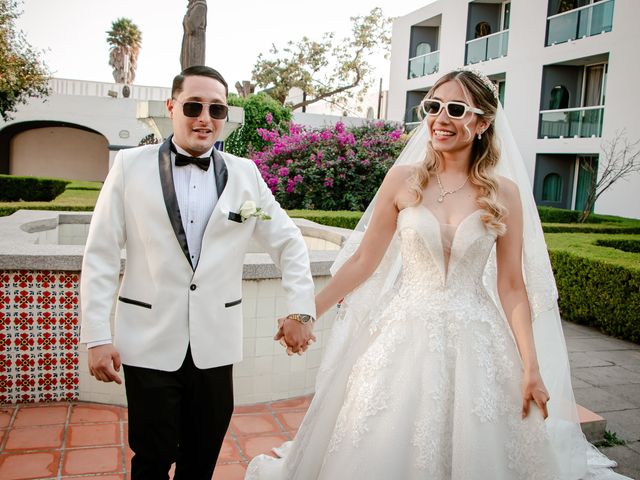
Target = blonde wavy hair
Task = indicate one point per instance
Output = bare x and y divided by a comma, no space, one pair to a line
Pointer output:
485,152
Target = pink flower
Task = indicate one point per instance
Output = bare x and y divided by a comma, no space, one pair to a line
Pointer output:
283,172
328,182
395,135
269,118
273,181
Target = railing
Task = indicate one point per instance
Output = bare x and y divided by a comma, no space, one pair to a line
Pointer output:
408,126
487,47
424,64
63,86
580,23
582,122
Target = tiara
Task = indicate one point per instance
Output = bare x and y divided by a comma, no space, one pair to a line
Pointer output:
483,78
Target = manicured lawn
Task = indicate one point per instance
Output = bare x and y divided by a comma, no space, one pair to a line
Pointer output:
77,196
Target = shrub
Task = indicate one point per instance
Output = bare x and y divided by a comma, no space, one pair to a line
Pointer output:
631,228
632,246
28,189
260,111
598,294
340,218
6,210
598,286
559,215
334,168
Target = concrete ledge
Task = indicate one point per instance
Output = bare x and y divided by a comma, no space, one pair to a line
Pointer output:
19,249
592,424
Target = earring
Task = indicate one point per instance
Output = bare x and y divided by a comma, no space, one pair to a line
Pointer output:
479,136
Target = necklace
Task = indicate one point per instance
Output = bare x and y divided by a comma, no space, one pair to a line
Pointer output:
444,193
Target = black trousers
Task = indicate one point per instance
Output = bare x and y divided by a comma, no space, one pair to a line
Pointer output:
179,417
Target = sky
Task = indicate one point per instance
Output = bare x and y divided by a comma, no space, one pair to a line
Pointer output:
71,33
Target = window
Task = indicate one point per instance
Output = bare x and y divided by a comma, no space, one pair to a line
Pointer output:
506,15
482,29
552,188
501,88
559,98
422,49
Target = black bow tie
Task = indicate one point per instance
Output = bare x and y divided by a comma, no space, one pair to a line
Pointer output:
203,163
182,160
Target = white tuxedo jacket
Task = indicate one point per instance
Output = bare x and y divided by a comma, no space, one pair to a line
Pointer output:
164,304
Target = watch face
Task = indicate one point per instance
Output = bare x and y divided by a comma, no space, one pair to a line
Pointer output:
302,318
305,318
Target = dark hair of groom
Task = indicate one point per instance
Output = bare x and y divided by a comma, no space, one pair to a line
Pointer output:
197,71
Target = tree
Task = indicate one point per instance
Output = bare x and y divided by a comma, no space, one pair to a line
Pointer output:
23,74
260,112
324,69
620,158
124,38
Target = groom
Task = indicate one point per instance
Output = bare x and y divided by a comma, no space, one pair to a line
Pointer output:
185,213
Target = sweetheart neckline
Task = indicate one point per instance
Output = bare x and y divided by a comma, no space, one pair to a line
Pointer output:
438,220
445,267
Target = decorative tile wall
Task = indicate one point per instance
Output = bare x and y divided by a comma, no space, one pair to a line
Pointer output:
39,332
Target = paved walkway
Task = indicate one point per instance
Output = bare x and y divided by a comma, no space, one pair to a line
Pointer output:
605,375
81,440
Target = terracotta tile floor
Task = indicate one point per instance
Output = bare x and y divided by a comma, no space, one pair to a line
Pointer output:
84,440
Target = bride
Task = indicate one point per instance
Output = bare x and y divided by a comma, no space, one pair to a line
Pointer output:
444,361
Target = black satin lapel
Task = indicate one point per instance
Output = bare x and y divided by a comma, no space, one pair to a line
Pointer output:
220,171
170,199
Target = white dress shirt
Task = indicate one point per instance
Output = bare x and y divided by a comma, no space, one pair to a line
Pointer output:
197,197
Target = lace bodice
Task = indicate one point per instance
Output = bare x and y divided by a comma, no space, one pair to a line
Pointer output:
446,260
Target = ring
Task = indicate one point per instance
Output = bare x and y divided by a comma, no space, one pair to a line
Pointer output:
310,341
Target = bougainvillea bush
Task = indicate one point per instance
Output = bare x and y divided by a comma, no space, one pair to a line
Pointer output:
334,168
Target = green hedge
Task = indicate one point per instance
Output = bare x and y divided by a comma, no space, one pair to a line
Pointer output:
632,246
607,228
30,189
598,286
558,215
8,210
598,294
339,218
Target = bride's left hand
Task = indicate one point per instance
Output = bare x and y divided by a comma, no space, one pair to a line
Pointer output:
533,389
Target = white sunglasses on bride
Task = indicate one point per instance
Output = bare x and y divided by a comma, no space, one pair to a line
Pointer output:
454,109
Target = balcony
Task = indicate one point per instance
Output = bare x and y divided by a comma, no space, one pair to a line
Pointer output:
424,64
582,122
580,23
487,47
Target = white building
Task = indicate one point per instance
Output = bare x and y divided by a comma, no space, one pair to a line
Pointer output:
76,131
567,72
372,106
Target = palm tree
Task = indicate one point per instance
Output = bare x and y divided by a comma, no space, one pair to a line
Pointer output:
124,38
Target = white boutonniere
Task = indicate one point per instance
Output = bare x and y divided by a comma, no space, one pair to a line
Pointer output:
250,209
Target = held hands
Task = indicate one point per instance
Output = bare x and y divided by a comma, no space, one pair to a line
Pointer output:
104,363
294,336
533,389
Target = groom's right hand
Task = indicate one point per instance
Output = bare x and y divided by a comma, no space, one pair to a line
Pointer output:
104,363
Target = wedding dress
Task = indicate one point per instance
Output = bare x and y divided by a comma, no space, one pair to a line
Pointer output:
432,388
421,377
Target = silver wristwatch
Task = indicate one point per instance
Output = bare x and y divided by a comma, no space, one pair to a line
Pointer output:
303,318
